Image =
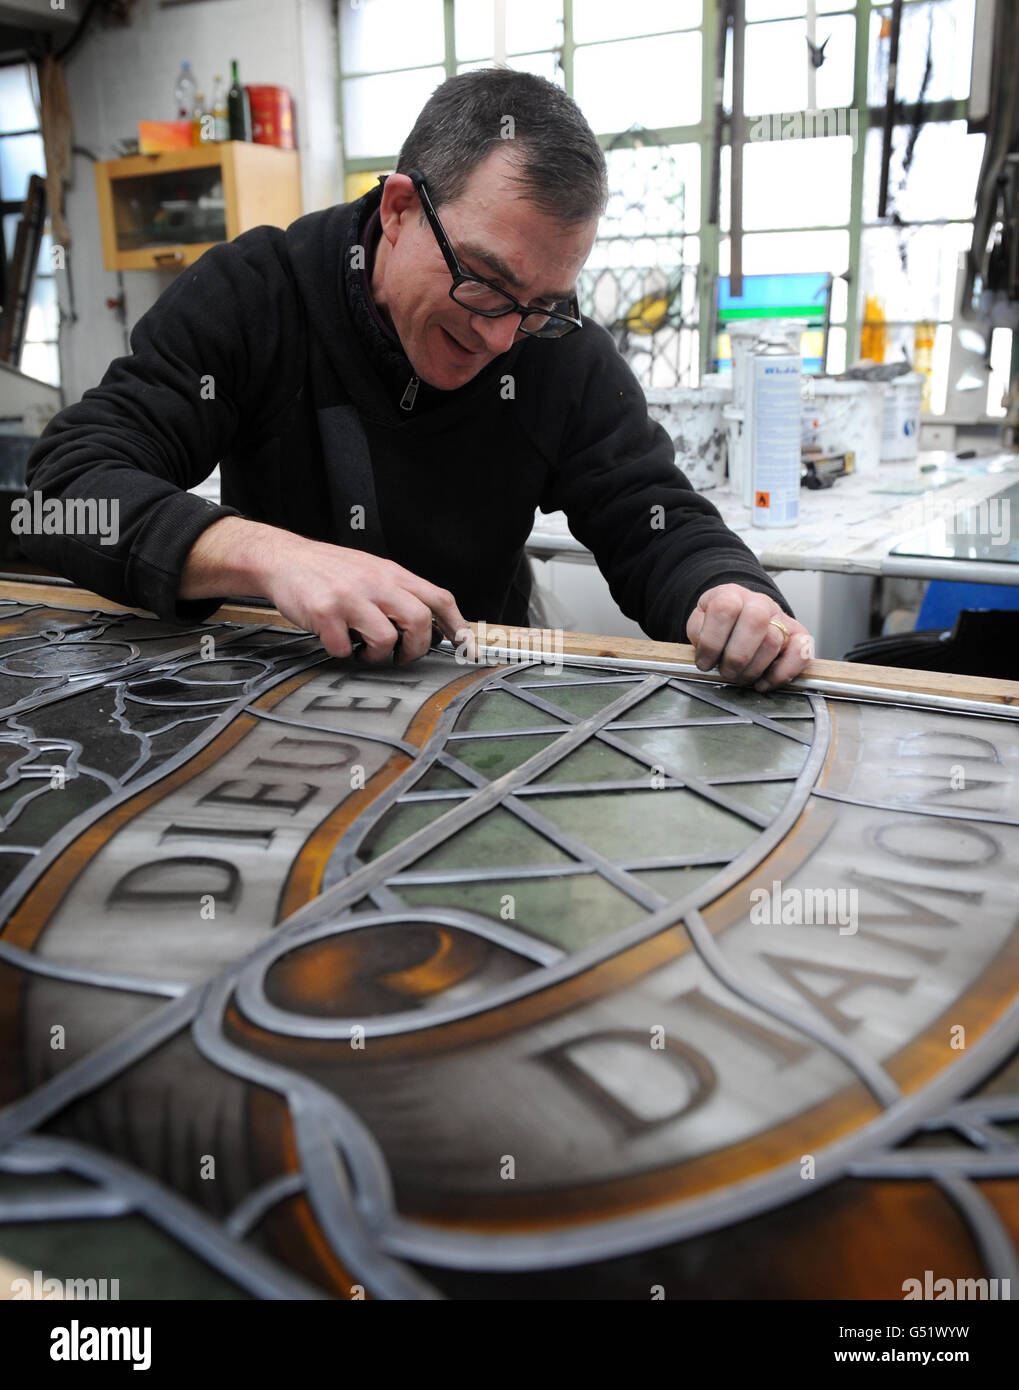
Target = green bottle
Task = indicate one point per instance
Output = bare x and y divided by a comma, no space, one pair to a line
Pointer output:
238,107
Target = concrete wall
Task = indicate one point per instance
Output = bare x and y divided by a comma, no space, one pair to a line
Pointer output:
117,77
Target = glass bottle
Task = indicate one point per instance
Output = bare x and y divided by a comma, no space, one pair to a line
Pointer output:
238,107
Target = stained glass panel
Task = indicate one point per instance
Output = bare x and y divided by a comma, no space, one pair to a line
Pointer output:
347,929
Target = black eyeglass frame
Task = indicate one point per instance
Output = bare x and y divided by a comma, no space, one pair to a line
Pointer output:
460,277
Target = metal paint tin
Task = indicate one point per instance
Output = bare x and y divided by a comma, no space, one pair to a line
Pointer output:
272,116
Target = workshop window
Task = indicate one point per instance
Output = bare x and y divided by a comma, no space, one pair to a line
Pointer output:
786,253
541,64
379,111
597,20
646,66
531,26
394,34
775,71
946,28
912,270
814,176
653,82
787,9
940,183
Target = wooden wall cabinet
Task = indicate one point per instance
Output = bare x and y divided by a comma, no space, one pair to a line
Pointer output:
162,211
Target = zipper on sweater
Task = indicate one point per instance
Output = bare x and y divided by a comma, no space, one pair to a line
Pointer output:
409,396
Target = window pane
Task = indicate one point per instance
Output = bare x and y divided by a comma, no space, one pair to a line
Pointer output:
530,25
475,29
542,64
357,185
792,183
939,374
941,181
650,82
20,156
383,34
839,299
913,272
641,277
948,25
774,9
17,109
776,65
836,351
1001,352
41,361
378,112
608,19
43,314
533,24
654,190
10,232
783,9
789,253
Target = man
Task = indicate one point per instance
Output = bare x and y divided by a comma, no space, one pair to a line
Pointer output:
391,388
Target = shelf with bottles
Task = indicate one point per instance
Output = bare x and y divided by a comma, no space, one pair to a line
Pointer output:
226,116
162,211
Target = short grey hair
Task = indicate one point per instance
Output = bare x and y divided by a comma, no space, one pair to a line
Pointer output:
560,165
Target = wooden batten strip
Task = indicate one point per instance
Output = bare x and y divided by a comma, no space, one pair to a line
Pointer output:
635,649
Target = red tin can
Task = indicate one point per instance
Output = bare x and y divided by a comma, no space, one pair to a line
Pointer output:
272,116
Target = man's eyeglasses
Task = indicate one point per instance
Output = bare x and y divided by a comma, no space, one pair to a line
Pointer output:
480,297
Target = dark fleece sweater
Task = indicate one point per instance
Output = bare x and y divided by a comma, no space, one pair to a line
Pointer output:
268,357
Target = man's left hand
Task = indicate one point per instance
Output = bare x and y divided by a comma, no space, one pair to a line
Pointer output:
738,631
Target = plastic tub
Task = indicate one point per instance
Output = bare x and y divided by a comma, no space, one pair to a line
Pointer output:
844,416
692,416
900,432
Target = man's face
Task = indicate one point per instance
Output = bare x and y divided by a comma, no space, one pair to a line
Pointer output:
497,235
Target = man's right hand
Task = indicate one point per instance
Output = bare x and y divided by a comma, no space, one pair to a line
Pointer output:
325,589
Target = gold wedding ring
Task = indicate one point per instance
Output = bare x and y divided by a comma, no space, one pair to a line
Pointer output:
774,622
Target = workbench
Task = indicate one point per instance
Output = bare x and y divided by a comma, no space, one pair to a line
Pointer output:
852,527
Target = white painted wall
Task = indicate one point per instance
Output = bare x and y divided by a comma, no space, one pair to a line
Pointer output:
117,77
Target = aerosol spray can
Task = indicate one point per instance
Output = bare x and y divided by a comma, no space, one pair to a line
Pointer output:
743,334
774,434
